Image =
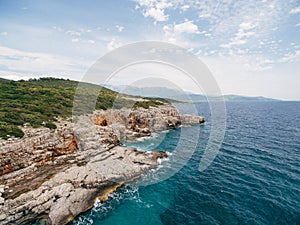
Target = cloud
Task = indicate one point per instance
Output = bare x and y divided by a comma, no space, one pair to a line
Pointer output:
297,25
231,70
174,32
4,33
33,63
222,19
295,10
207,15
154,9
291,57
75,39
119,28
185,7
78,32
157,14
59,29
245,31
73,33
247,26
229,24
15,76
90,41
80,35
113,44
180,34
186,27
85,41
85,30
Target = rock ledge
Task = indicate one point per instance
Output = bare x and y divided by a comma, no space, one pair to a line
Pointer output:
56,175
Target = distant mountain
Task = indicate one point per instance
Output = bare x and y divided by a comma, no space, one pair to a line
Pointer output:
232,98
154,92
178,95
238,98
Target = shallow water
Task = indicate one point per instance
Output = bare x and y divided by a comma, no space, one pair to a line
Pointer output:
255,178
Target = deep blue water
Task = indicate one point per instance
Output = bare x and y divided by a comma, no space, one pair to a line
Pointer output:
255,178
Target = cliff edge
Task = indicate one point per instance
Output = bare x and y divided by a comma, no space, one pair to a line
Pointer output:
56,175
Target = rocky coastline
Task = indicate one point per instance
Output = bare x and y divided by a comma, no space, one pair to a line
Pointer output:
55,175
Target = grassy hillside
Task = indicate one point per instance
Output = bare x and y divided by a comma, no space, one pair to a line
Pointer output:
3,80
40,101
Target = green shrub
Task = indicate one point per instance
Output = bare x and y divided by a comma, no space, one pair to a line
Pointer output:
11,130
51,126
146,104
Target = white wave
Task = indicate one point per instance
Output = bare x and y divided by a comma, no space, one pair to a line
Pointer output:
160,161
83,220
169,153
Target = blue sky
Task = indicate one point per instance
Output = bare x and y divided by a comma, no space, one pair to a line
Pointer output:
251,47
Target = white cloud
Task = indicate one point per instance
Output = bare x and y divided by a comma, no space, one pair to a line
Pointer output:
237,26
85,30
185,7
298,24
78,36
59,29
291,57
224,19
73,33
231,70
91,41
207,15
154,9
164,4
240,23
75,40
156,14
31,63
295,10
113,44
247,26
14,76
179,34
173,31
4,33
119,28
244,32
160,4
79,32
251,63
78,40
186,27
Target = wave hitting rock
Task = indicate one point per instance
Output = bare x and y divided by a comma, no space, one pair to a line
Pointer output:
56,175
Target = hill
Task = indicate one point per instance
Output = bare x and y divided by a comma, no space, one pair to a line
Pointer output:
41,101
180,95
232,98
3,80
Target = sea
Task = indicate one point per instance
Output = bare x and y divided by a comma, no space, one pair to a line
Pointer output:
254,178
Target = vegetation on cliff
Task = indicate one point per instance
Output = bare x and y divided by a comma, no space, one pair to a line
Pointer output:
40,101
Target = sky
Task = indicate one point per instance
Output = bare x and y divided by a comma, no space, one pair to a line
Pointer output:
251,47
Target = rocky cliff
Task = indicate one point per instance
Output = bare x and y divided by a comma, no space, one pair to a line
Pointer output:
57,175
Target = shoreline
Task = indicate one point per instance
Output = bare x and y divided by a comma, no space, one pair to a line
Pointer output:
59,174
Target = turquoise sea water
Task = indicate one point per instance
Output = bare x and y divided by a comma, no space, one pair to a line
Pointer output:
255,178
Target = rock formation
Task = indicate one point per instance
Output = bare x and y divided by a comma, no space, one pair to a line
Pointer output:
56,175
